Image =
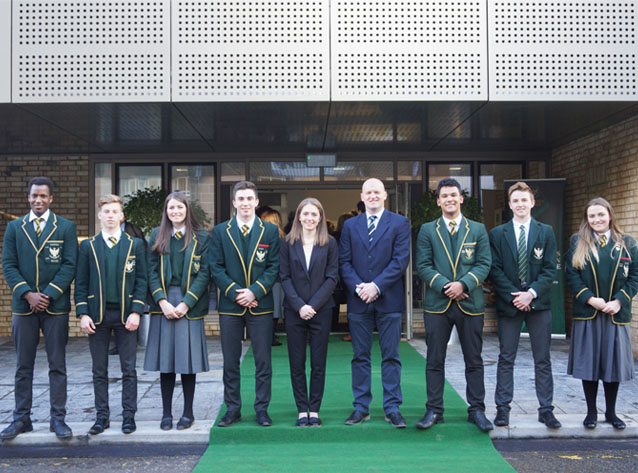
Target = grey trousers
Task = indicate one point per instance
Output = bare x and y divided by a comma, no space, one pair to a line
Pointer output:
539,325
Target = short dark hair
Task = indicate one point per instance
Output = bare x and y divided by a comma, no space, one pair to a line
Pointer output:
448,182
241,185
40,181
361,207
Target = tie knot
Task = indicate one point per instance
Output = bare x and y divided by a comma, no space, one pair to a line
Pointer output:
603,240
39,220
179,235
244,229
113,241
372,218
452,227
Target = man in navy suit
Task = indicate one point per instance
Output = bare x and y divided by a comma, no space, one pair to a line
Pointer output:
374,252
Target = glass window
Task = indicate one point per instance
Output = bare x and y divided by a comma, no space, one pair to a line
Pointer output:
460,172
360,171
103,185
233,172
133,178
409,170
493,200
282,172
197,181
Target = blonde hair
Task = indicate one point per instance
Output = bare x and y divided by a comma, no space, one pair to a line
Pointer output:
296,232
110,199
520,186
273,216
587,242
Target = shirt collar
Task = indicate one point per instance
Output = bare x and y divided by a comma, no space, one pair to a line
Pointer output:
175,230
376,215
45,215
517,225
458,221
241,224
106,236
607,234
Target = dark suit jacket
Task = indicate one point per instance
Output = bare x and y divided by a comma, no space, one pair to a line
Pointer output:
541,258
231,270
383,261
47,266
313,286
90,286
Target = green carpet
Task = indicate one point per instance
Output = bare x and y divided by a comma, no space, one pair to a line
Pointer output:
374,446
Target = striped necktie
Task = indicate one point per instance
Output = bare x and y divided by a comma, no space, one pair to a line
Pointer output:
522,254
38,228
244,230
371,226
603,240
452,227
179,235
113,241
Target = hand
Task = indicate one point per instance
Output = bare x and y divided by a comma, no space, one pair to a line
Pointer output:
245,297
167,309
523,300
181,310
612,307
132,321
86,325
307,312
597,303
454,290
368,292
37,301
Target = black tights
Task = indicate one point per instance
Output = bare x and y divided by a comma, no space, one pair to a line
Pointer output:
167,383
611,393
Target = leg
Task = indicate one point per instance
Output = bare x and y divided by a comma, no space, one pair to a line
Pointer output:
611,393
188,386
297,332
56,335
260,331
126,343
471,337
539,324
361,326
99,347
389,326
167,385
319,337
232,331
437,333
26,336
509,334
590,388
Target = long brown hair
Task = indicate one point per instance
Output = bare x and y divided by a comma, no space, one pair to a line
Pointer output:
587,242
296,232
163,241
272,216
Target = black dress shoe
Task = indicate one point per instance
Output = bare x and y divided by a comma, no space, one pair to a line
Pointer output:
549,419
184,423
16,428
302,422
263,419
314,422
229,419
429,419
502,418
128,425
357,417
62,431
478,418
615,422
167,423
590,421
101,424
396,419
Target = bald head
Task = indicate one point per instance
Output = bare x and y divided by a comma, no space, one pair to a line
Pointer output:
373,195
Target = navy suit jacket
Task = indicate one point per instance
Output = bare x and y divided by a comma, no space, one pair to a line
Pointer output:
313,286
382,261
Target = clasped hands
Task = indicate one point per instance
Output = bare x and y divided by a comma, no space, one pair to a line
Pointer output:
611,307
172,312
246,298
368,292
454,290
38,301
523,300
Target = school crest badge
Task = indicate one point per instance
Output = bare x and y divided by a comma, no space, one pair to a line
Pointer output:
130,265
196,265
54,252
469,252
538,253
625,270
261,255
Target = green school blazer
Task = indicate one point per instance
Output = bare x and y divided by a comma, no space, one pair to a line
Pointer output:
90,285
47,266
437,265
195,276
624,281
257,270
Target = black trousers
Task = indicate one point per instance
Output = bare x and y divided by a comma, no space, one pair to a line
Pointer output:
126,343
438,328
298,331
260,332
26,336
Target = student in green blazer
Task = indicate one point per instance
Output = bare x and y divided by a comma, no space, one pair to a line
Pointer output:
602,273
523,270
453,258
110,288
244,262
39,254
178,281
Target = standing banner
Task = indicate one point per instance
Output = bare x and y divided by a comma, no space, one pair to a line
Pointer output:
549,195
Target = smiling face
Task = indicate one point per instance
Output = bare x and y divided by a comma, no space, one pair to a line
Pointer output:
309,217
40,199
450,200
373,195
176,212
521,203
111,216
598,218
245,203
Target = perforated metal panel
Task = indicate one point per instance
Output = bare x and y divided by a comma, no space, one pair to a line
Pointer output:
91,51
243,50
5,51
563,50
408,50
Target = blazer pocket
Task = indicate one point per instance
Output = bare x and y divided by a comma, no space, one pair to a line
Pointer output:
468,253
197,261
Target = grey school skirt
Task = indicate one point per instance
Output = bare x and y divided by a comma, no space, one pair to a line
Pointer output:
600,349
176,345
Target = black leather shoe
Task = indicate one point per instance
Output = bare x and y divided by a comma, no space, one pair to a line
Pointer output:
302,422
184,423
502,418
357,417
429,419
62,431
314,422
167,423
101,424
128,425
590,421
229,419
263,419
615,422
396,419
16,428
549,419
478,418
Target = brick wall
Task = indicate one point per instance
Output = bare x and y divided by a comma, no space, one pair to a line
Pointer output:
604,163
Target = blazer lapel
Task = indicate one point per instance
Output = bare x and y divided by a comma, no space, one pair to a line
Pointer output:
298,249
534,230
317,252
235,238
126,242
510,236
188,261
98,252
461,242
362,229
255,237
444,236
29,231
382,226
50,227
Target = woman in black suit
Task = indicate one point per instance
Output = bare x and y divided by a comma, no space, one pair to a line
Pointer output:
309,271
